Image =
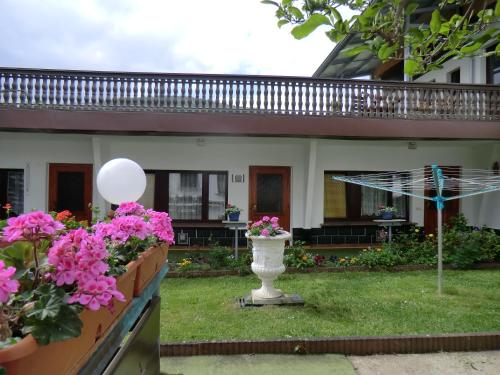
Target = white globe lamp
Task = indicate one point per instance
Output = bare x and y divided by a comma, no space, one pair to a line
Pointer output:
121,180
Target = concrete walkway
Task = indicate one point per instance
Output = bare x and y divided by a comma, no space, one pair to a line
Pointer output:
470,363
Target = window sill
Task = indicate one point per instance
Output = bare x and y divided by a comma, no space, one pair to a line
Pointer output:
354,223
195,224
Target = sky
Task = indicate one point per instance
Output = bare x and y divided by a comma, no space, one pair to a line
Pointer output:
184,36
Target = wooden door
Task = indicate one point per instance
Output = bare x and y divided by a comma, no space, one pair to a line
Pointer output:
70,188
270,194
451,208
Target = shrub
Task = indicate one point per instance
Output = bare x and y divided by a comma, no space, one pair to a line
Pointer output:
296,256
384,257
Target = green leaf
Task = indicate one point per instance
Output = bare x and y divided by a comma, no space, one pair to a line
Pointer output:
416,34
270,2
282,22
356,50
411,67
410,8
497,9
497,48
311,24
435,23
296,13
335,13
385,52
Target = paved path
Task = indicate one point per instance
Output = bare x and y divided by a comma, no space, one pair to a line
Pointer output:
471,363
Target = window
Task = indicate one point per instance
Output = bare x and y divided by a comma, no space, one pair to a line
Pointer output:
12,191
454,76
187,195
345,201
493,68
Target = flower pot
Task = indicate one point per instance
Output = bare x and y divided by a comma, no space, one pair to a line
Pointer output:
63,357
152,260
124,283
233,216
268,263
387,215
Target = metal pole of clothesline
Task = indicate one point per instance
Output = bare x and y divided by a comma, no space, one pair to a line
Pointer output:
437,174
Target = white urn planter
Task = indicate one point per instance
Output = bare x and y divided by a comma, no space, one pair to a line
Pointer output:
268,263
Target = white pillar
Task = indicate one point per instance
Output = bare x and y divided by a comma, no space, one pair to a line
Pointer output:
310,176
97,200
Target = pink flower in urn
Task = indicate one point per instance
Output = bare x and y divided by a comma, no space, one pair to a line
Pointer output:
257,224
7,285
130,208
31,227
275,226
266,219
274,220
264,232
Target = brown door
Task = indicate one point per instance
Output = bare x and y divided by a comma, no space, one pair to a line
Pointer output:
70,188
270,194
451,208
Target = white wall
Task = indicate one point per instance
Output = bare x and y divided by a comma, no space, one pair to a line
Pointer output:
472,70
236,154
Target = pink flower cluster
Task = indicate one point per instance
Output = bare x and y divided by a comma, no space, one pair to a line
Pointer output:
79,257
265,227
130,208
160,225
31,227
7,285
133,220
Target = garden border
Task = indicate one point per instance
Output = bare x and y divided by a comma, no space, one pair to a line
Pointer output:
401,268
356,345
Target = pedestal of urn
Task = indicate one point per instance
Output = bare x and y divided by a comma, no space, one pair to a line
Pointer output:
268,263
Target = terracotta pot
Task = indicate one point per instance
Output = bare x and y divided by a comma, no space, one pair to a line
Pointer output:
153,259
124,283
63,357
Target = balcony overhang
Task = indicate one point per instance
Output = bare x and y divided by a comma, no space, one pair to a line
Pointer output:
147,103
142,123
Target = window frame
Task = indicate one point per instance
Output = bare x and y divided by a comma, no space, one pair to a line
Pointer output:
353,199
3,189
161,201
490,67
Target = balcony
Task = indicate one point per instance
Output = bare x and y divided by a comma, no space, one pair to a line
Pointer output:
292,99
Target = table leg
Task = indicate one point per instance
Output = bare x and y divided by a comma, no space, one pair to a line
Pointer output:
390,233
236,243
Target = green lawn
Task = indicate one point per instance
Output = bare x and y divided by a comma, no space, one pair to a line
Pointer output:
337,304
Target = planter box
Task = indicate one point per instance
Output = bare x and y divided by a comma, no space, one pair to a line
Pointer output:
63,357
152,260
124,283
28,357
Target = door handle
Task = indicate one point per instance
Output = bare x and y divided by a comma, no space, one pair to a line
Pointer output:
254,207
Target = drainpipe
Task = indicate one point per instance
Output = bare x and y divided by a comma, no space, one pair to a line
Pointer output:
310,177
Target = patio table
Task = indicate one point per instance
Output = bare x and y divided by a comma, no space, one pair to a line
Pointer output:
389,224
236,226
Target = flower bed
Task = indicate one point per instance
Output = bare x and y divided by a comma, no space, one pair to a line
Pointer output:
62,283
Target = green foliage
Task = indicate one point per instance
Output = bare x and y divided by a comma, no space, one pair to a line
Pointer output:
6,343
384,256
219,256
51,318
381,25
296,256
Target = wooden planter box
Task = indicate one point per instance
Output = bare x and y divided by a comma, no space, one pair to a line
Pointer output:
153,260
64,357
28,357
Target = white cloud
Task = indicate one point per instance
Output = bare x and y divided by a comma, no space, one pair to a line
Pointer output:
196,36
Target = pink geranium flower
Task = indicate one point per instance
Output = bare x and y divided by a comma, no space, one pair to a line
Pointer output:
125,227
31,227
160,225
7,285
264,232
130,208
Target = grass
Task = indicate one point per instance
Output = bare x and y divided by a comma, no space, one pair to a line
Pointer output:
337,304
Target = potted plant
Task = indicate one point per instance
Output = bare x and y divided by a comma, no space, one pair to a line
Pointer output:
233,212
56,278
49,276
268,245
386,212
